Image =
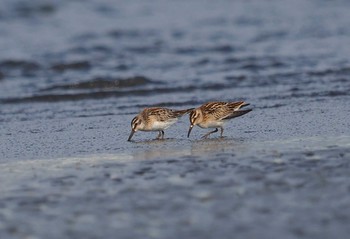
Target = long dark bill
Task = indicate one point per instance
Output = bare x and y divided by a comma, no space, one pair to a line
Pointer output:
131,134
189,131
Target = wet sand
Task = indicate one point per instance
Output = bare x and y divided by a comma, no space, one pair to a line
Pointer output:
190,194
254,183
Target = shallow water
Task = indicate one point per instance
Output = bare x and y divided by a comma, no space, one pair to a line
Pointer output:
74,73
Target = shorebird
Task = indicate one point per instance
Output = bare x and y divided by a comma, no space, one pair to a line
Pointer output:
214,115
155,119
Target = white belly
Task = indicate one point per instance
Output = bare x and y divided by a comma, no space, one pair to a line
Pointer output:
161,125
212,124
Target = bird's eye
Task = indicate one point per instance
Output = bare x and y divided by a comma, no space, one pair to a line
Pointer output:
134,122
193,117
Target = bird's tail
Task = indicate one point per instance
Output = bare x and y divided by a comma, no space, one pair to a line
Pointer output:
238,113
179,113
237,105
244,105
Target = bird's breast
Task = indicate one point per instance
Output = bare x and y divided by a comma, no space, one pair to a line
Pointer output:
211,124
160,125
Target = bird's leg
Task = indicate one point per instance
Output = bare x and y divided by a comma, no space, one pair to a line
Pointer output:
207,134
162,134
222,131
159,134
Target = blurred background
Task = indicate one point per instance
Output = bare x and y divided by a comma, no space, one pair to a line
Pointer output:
87,58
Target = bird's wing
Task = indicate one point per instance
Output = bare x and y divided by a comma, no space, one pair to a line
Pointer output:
237,113
222,110
215,110
160,114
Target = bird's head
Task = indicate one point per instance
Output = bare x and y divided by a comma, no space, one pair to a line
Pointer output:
196,117
137,123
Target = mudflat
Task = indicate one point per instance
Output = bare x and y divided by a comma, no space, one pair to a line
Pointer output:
74,74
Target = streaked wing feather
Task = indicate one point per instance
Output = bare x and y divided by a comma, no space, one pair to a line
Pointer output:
237,113
164,114
235,105
221,110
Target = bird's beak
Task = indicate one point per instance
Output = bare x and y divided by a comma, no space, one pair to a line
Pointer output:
131,134
189,131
